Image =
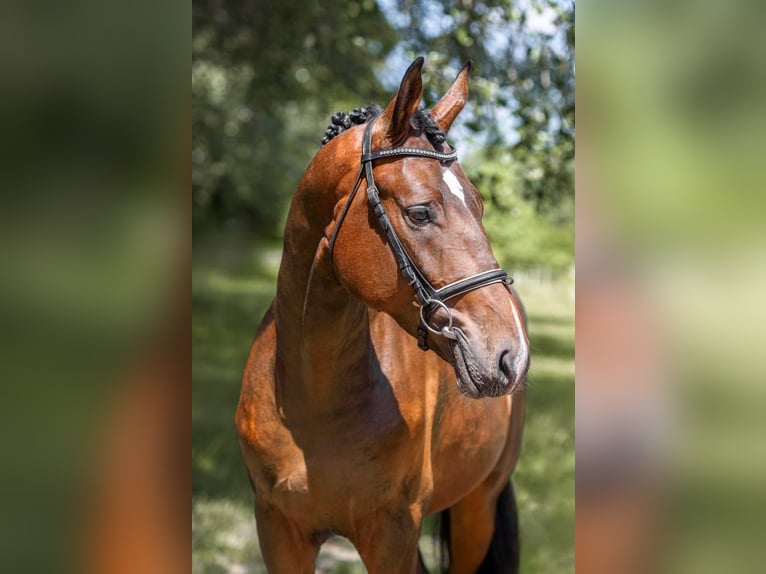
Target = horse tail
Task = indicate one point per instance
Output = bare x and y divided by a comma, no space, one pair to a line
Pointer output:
503,556
504,551
444,538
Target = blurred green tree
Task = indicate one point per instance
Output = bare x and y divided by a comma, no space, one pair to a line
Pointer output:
262,72
266,75
522,85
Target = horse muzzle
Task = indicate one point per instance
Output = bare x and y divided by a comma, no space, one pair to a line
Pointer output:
504,374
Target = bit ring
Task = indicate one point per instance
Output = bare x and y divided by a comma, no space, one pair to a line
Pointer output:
445,331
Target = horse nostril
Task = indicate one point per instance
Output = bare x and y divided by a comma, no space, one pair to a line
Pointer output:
513,366
506,364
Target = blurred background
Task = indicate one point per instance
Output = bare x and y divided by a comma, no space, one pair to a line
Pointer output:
266,76
94,300
671,263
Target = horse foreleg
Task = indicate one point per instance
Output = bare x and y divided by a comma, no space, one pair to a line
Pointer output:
472,523
286,548
388,544
479,541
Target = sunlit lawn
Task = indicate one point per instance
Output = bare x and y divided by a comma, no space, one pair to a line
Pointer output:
232,284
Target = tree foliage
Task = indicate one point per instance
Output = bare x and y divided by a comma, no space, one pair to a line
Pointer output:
522,85
522,236
262,74
267,75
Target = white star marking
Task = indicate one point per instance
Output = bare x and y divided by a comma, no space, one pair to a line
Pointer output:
454,185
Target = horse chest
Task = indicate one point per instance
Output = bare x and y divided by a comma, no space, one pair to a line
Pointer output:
469,444
343,467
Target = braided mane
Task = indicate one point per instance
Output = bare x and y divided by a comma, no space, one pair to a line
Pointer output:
421,119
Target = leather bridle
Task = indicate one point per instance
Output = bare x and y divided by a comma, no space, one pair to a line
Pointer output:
429,298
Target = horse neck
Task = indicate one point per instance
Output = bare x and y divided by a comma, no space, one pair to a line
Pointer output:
323,339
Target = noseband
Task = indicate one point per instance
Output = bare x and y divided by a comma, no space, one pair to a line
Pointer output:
428,297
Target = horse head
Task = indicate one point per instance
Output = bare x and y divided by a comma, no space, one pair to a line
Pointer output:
434,212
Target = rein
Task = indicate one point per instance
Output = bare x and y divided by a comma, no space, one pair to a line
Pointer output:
428,297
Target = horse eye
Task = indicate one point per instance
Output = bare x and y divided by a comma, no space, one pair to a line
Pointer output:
419,214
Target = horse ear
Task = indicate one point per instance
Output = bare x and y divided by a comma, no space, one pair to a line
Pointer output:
451,104
396,116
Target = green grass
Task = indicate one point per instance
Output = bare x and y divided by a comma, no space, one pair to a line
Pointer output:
232,285
544,478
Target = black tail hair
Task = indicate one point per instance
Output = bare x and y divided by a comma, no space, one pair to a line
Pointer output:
504,554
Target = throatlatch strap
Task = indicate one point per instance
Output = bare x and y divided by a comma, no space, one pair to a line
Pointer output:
343,213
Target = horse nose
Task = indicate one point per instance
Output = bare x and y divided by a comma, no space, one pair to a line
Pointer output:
514,365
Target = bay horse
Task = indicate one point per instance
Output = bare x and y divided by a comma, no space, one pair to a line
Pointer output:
346,426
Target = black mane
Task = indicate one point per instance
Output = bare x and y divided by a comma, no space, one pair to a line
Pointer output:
421,119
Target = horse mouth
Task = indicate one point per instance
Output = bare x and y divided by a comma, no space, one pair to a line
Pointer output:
470,381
